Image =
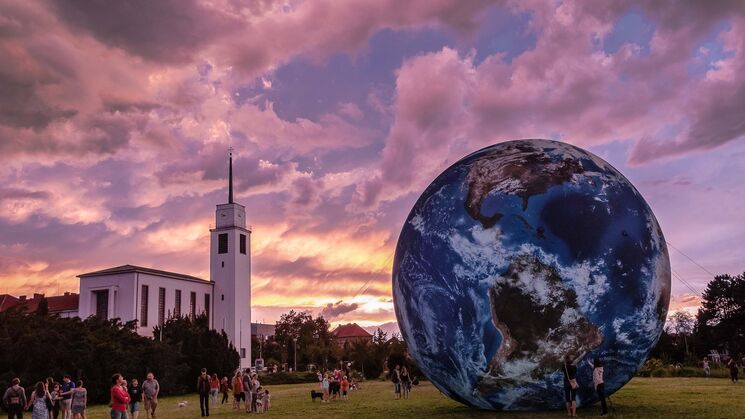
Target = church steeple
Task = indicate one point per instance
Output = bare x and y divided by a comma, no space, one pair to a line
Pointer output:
230,177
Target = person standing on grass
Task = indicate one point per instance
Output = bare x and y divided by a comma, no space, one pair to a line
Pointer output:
119,397
732,365
38,402
56,398
135,397
405,382
325,387
707,368
255,386
224,389
15,399
570,386
150,391
203,388
248,389
396,379
79,401
214,388
597,381
67,387
238,390
344,388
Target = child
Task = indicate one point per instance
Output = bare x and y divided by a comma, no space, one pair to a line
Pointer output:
259,400
325,386
597,381
267,402
344,388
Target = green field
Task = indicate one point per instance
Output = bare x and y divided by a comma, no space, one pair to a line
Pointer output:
642,397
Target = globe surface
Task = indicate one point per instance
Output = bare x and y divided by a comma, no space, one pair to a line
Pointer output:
523,253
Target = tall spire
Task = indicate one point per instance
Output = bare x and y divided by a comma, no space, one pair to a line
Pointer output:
230,177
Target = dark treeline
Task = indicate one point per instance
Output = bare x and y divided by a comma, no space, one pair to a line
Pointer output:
38,345
719,325
315,347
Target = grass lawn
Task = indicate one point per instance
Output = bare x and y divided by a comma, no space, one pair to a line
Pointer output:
642,397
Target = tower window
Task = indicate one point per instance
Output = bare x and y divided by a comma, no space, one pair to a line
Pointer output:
243,244
161,306
222,263
177,306
143,306
222,243
193,304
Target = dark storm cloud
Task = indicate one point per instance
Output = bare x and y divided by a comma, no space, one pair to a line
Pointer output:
160,31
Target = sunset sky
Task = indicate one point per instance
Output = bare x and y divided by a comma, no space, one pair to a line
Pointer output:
116,117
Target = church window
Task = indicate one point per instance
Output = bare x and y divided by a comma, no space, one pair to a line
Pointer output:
102,303
143,306
243,352
243,244
177,307
222,243
222,297
207,305
193,304
161,306
223,264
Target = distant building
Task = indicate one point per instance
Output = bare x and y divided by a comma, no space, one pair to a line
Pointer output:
348,333
65,305
262,330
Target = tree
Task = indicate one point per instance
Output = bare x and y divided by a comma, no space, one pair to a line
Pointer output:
683,325
721,319
313,338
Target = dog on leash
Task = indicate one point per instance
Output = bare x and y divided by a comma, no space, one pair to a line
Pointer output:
314,394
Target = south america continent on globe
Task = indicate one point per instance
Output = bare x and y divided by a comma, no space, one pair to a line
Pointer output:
519,255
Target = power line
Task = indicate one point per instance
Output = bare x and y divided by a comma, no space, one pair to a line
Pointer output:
689,258
680,278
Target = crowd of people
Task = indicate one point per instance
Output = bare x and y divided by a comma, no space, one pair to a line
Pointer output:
49,399
335,385
247,389
68,400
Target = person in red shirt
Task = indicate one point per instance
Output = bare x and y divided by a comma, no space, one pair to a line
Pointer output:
119,397
345,388
214,388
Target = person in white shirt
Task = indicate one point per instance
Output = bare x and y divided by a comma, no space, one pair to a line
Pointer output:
597,381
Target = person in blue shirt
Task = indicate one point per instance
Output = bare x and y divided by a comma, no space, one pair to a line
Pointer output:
66,393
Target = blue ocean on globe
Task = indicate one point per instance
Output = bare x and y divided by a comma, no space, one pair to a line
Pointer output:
518,255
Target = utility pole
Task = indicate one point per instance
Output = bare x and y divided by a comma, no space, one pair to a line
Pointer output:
295,339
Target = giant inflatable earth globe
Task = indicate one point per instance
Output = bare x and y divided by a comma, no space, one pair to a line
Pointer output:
523,253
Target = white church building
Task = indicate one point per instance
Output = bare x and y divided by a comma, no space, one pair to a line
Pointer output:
151,296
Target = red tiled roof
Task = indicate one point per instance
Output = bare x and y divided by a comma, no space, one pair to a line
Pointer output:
57,303
7,301
350,330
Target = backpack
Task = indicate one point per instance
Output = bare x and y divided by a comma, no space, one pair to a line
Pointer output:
14,397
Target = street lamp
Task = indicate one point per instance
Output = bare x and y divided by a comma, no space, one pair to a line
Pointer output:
295,339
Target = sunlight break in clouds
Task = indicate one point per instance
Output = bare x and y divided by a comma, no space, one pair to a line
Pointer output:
113,141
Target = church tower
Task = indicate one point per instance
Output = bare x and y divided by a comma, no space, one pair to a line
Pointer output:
230,270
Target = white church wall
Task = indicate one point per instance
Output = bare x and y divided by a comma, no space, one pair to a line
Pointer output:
120,289
170,286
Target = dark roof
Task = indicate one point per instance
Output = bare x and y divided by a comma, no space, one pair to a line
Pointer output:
132,268
350,330
7,301
57,303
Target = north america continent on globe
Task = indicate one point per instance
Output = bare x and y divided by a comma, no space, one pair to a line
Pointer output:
523,253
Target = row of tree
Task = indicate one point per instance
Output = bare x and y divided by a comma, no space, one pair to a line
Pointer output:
302,340
37,346
719,325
